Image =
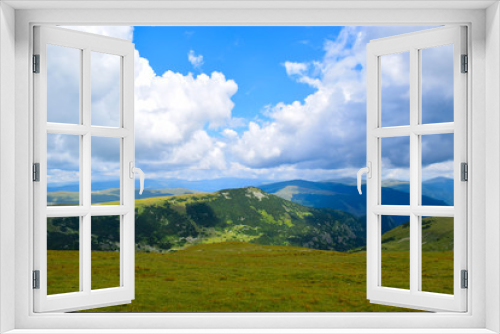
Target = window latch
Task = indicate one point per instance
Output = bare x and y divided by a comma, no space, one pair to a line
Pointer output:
368,171
132,171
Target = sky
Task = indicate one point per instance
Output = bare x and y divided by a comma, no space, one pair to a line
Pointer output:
262,103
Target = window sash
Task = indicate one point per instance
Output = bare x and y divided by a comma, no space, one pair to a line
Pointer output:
86,297
414,298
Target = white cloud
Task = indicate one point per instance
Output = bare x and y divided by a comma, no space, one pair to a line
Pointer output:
172,112
445,168
195,60
323,131
326,129
185,128
230,133
295,68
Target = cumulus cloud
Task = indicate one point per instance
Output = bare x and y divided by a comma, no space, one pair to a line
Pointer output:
174,113
327,129
185,128
195,60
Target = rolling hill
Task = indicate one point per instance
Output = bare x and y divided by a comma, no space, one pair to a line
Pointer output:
341,196
243,214
437,235
65,197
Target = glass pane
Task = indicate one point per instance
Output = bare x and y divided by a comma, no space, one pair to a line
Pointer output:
105,252
395,252
437,254
395,167
63,169
105,83
395,89
63,255
105,169
437,84
437,169
63,84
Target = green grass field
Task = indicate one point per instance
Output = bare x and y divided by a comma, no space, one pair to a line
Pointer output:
241,277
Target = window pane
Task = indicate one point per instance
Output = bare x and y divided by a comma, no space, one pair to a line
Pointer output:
437,169
105,252
437,84
63,84
63,169
437,254
105,169
395,167
63,255
395,89
105,83
395,252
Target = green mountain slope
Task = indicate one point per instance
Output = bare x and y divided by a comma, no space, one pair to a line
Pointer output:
112,194
437,235
244,214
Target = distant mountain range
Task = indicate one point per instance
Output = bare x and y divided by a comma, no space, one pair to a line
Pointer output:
440,188
339,194
243,214
344,196
171,222
199,186
110,195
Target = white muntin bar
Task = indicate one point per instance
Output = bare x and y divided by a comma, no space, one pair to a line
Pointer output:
414,297
86,298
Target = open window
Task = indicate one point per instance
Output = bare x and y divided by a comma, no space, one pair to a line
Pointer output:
68,140
415,134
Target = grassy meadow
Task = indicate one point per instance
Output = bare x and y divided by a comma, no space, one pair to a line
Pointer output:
244,250
242,277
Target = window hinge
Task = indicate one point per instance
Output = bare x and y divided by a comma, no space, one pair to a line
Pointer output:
36,63
36,172
465,279
465,64
36,279
464,171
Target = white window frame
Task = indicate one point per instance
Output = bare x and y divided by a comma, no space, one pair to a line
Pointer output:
85,298
483,125
413,44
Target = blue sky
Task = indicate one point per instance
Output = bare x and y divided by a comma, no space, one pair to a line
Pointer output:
263,103
251,56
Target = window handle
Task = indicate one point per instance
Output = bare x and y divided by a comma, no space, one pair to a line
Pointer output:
134,170
368,171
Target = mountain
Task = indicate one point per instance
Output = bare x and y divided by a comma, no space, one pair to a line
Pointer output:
437,235
113,194
198,186
243,214
339,196
440,188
